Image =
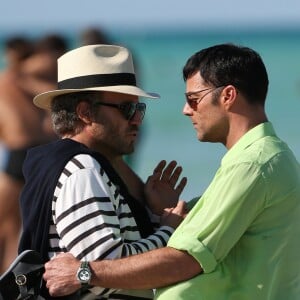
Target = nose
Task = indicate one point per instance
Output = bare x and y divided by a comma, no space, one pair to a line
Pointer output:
137,118
187,110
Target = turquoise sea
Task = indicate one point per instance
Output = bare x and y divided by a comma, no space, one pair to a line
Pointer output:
167,133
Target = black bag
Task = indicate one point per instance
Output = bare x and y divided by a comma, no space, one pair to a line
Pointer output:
23,279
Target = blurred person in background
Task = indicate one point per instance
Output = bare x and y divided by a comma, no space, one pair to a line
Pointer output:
13,98
14,137
40,69
93,35
22,125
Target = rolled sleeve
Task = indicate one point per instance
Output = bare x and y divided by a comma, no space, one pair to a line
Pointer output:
196,249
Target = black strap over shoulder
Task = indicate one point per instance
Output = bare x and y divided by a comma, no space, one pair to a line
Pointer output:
139,211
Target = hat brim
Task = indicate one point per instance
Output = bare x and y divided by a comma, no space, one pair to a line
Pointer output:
44,100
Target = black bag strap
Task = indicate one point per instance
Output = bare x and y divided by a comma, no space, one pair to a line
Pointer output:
28,278
23,279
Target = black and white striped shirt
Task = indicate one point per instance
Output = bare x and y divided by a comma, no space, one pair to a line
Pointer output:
93,221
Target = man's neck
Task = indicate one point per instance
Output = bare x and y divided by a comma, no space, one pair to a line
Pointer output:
241,124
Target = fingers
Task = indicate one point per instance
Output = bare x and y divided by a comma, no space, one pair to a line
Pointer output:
157,171
172,174
174,216
181,185
159,168
175,176
168,172
167,211
180,208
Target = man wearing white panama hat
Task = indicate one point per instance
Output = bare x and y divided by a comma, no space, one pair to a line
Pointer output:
80,194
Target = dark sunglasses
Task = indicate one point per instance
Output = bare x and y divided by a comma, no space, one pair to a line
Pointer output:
194,102
128,109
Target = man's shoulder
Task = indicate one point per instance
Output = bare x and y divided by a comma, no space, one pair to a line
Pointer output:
84,160
269,148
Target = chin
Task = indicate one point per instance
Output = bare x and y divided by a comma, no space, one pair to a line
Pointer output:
130,149
200,138
203,138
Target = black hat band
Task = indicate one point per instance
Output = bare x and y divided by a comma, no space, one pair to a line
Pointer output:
97,80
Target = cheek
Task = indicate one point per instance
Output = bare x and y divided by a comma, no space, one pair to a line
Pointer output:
218,124
98,131
202,115
208,117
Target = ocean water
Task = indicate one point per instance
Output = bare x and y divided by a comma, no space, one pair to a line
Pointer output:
167,133
170,135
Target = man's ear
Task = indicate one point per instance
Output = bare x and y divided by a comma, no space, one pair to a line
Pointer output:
83,111
228,96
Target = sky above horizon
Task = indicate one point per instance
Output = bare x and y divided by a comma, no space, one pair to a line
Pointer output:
20,15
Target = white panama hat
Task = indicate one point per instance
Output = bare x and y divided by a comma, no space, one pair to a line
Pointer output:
94,68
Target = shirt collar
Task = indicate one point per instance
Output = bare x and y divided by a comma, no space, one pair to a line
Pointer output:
254,134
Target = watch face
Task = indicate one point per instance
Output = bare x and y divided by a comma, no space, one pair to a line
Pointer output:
84,275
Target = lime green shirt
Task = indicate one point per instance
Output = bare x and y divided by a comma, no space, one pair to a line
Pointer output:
245,229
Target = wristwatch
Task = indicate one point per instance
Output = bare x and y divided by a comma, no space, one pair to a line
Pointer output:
84,274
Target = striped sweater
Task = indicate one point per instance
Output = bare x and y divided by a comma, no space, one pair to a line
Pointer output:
92,220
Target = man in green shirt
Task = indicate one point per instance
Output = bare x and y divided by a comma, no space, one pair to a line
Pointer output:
241,240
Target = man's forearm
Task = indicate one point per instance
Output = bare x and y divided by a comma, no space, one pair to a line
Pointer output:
153,269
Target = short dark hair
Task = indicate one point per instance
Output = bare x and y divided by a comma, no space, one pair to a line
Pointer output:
63,111
226,64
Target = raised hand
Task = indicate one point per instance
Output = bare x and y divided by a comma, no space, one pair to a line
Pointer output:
162,189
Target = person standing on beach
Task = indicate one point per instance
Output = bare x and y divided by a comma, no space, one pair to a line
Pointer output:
240,240
21,126
81,195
